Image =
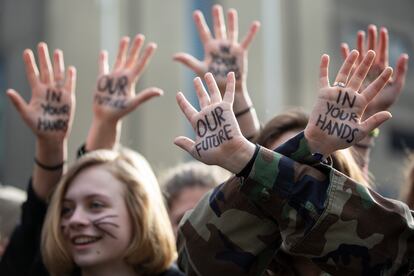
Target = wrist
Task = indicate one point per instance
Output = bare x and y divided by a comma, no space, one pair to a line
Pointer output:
51,149
316,147
241,100
103,134
49,155
240,158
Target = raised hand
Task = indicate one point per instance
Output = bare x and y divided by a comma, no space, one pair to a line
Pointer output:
336,120
218,137
49,114
115,91
115,95
393,88
222,53
50,111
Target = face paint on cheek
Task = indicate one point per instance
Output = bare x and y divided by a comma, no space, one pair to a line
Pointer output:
101,224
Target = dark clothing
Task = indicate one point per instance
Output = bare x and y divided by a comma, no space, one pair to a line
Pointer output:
22,256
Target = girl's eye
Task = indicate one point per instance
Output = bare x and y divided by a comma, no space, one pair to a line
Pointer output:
66,211
96,205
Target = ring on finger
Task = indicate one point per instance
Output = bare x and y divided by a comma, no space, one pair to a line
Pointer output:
339,84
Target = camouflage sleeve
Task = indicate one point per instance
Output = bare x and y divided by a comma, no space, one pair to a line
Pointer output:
344,227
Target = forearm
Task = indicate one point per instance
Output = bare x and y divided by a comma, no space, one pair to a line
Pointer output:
53,155
103,134
362,152
246,114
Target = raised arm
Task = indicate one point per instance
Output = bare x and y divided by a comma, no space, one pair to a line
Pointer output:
223,54
115,96
391,91
49,114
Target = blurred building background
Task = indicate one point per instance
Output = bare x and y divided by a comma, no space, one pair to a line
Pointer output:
283,66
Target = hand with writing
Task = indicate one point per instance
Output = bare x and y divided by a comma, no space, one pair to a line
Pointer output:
393,88
115,95
336,120
222,53
51,108
115,91
218,138
49,114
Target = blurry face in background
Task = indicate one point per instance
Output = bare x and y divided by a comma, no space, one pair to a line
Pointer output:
283,138
95,220
186,200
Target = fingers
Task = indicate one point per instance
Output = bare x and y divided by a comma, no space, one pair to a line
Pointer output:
344,50
230,87
58,66
134,53
188,110
191,62
254,27
103,63
383,48
212,88
18,102
375,87
32,72
360,44
202,28
401,71
375,121
144,96
372,37
185,143
346,68
70,83
218,22
202,95
361,72
122,52
144,59
44,62
233,25
323,72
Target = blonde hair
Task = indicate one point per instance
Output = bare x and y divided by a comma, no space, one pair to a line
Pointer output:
295,119
152,250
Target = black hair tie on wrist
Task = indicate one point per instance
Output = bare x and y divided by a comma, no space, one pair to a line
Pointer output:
49,168
244,111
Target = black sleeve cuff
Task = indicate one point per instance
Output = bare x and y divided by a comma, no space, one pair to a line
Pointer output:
246,170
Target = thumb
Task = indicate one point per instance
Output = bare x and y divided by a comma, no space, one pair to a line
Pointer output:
186,144
144,96
191,62
375,121
18,102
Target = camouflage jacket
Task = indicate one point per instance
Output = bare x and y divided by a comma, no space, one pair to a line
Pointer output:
292,203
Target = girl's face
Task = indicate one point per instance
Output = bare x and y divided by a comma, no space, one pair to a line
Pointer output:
95,221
